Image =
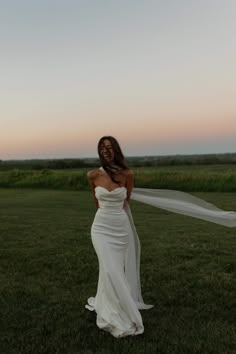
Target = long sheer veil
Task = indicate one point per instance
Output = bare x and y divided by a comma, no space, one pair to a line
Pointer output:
174,201
132,264
184,203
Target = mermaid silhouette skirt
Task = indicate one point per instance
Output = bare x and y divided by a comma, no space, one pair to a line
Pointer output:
116,243
117,301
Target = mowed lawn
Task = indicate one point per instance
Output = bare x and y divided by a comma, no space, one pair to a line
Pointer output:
48,269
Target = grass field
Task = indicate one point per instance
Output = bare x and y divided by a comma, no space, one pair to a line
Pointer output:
207,178
48,269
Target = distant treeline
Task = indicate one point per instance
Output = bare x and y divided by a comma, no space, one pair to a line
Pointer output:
50,164
135,161
178,160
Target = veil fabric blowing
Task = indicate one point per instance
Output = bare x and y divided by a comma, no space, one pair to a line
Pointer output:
185,204
174,201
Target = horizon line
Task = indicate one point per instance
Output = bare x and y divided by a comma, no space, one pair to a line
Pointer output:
127,156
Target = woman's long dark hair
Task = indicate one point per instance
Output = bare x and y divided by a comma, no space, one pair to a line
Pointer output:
118,163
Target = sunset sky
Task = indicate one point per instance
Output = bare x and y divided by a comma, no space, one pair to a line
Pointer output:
160,75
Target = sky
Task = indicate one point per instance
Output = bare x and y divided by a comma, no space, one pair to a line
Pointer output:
158,75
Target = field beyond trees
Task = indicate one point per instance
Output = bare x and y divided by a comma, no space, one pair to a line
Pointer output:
207,173
196,178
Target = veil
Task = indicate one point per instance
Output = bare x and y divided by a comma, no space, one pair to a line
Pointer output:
174,201
184,203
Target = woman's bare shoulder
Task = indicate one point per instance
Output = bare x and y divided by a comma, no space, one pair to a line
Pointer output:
92,174
129,172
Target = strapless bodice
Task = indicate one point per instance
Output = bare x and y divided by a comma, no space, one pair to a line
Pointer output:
111,200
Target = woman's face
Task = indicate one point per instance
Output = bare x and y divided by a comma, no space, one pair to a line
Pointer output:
107,152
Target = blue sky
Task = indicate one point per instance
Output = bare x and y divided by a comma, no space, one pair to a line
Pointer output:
158,75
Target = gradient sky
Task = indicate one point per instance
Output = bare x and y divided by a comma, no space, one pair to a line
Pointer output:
159,75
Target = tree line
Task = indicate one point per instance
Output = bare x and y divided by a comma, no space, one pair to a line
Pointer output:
132,161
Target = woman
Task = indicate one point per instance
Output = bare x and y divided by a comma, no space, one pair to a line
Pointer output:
116,243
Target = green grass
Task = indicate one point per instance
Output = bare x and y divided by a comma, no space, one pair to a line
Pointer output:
48,269
207,178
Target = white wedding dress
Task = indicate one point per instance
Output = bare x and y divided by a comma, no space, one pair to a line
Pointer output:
116,243
115,240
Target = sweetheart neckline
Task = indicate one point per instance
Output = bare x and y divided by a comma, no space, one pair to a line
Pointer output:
111,190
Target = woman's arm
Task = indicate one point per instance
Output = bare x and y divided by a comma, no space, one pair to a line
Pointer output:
129,184
91,175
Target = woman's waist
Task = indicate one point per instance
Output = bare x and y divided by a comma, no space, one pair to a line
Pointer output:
111,210
104,205
110,218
